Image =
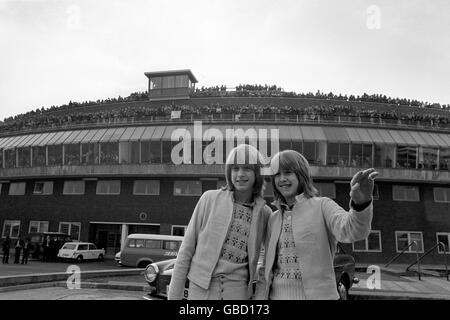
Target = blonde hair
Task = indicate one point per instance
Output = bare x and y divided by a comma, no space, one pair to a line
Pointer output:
291,160
247,156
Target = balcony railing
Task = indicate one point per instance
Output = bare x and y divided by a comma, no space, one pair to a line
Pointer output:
235,117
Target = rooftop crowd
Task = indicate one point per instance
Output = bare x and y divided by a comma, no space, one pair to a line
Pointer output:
42,118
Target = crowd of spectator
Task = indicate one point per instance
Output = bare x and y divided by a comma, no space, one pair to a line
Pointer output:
164,112
73,113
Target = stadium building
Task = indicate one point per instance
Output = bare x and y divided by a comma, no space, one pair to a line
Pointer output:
104,170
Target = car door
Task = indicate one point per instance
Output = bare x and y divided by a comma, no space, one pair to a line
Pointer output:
93,254
83,250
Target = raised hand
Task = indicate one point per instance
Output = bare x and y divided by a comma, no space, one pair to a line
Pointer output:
362,186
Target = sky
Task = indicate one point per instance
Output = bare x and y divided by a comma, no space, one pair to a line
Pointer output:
56,51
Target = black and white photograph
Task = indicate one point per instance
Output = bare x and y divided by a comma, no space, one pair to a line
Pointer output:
206,151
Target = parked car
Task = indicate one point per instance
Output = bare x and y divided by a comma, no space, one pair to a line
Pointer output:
37,239
81,251
142,249
159,274
117,257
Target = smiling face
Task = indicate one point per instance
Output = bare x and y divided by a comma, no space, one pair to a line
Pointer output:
243,178
287,184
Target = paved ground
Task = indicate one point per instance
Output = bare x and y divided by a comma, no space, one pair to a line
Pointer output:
393,284
34,267
60,293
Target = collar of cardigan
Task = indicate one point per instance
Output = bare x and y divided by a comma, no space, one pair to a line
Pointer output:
282,206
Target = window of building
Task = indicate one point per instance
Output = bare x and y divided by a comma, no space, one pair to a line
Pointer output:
17,188
71,228
187,188
406,157
10,158
39,156
441,194
155,83
338,154
405,193
129,152
109,153
444,159
428,158
178,230
383,156
310,152
11,228
72,154
443,237
55,153
73,187
43,187
326,189
371,244
146,187
24,155
108,187
38,226
89,153
405,238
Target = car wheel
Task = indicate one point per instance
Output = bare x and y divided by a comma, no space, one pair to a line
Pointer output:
143,264
80,259
100,257
342,290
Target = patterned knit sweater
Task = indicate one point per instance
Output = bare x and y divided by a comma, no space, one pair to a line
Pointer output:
233,261
287,281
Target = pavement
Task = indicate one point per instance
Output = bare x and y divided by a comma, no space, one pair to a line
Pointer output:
106,279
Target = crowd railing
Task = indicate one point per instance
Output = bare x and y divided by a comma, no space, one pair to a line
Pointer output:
214,117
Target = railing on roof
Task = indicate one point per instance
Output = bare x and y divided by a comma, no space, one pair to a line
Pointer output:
236,117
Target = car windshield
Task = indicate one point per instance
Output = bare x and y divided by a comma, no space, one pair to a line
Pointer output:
69,246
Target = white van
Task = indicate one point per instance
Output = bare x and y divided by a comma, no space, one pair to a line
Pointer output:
142,249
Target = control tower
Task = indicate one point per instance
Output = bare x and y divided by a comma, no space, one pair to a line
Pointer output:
170,85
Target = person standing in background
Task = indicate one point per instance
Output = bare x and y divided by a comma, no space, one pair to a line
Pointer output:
26,250
6,245
18,249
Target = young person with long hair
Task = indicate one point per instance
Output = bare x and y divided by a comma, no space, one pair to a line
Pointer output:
222,243
303,233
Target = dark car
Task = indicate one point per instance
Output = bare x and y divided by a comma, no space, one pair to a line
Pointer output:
158,276
37,239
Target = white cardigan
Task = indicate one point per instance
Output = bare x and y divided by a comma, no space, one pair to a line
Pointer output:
318,223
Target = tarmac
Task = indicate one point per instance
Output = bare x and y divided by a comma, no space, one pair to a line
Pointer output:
393,283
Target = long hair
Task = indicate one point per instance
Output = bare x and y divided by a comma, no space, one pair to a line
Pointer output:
291,160
248,156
